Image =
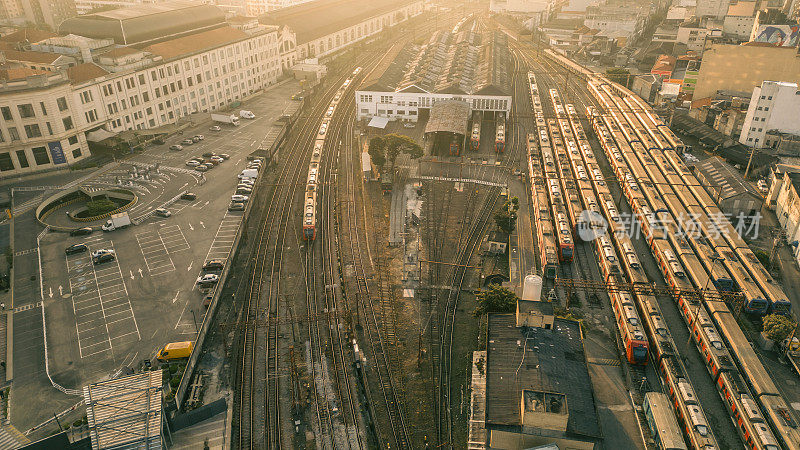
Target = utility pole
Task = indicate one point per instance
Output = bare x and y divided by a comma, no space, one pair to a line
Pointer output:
749,161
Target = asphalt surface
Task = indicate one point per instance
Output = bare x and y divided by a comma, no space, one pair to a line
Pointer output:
104,318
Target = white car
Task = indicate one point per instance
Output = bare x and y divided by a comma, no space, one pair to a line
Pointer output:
207,280
216,128
102,251
217,159
239,198
192,163
244,114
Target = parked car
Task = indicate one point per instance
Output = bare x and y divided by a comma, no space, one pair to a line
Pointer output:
211,162
214,264
247,181
105,257
244,185
192,163
76,248
208,154
202,168
102,251
216,128
189,196
236,206
239,198
81,231
198,137
187,142
224,156
176,147
217,159
244,190
207,301
207,280
163,212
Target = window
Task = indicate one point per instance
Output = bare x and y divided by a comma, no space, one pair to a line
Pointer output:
86,96
67,121
5,162
766,108
49,128
44,110
153,75
33,131
12,131
146,96
199,78
6,113
26,110
149,111
76,153
40,156
768,98
141,79
62,103
158,93
23,159
2,138
91,115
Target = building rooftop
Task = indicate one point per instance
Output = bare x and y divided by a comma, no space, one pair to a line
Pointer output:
85,72
721,175
794,178
125,412
313,20
18,73
743,9
462,63
147,22
664,65
27,34
195,43
539,360
448,116
117,52
34,57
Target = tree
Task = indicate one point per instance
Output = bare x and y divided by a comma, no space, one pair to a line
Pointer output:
99,207
495,299
777,327
398,143
376,148
618,75
506,217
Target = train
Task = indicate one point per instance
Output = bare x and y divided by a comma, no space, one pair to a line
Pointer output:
475,137
500,133
699,261
545,237
661,421
315,164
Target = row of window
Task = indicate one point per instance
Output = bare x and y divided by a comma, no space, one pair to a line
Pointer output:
41,157
27,111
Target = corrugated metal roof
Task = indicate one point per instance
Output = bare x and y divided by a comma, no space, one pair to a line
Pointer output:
125,413
449,116
719,173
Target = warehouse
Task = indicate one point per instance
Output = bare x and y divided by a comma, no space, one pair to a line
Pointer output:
736,197
465,66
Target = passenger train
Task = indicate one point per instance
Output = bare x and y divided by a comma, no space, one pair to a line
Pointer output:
500,133
699,261
315,165
475,137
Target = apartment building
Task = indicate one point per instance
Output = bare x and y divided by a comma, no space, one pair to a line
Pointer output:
774,107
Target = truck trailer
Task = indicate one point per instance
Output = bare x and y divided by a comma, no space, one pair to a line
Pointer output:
225,118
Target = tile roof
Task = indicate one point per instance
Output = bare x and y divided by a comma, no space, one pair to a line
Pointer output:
85,72
19,73
194,43
313,20
28,34
35,57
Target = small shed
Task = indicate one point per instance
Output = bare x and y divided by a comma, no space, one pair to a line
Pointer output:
497,242
735,196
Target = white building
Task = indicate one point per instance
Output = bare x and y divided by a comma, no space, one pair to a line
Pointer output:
469,67
697,36
775,105
738,23
612,20
787,210
520,6
47,115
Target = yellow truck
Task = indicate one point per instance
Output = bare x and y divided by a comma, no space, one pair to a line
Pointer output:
175,350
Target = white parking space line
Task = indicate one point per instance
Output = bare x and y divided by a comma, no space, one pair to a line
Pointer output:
173,238
155,253
226,234
100,302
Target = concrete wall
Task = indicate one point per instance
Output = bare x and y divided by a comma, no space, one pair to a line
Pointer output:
724,68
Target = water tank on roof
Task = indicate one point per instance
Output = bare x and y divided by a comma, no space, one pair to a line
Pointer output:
532,288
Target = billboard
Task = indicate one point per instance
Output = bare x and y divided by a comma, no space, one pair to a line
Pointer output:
778,35
57,153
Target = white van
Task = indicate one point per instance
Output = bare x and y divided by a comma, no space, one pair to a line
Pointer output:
249,174
245,114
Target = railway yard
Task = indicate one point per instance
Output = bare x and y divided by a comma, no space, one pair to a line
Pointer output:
342,354
338,337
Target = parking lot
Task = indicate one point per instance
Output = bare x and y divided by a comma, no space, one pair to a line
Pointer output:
103,318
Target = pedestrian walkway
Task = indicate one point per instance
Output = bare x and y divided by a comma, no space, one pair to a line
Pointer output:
11,438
